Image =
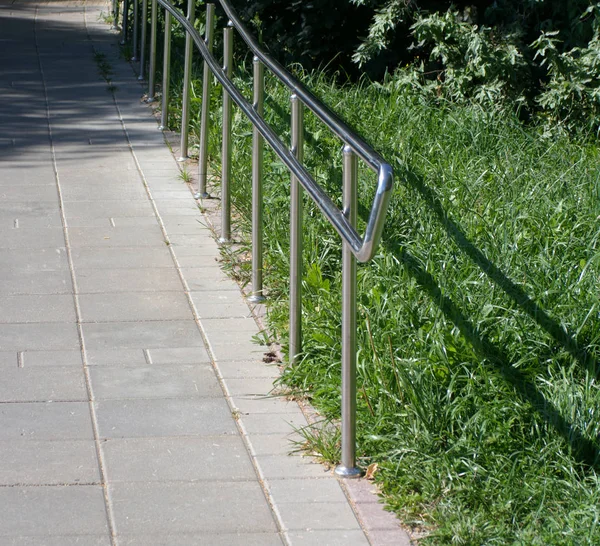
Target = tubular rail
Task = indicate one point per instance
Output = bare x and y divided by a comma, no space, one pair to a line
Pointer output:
356,247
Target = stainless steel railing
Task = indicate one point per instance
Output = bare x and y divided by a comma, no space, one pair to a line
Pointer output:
355,246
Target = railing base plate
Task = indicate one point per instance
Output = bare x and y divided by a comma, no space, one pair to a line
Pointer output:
346,472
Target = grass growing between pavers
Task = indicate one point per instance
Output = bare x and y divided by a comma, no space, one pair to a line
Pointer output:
478,319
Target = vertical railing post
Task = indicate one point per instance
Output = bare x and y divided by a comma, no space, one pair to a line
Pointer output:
205,116
166,80
125,27
348,468
296,213
187,76
257,197
226,152
144,26
152,69
136,24
115,10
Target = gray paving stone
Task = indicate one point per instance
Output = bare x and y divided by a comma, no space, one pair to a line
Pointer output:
52,510
46,421
37,308
143,335
290,466
210,278
253,404
225,346
131,306
41,259
94,281
116,357
254,388
86,190
275,423
203,539
31,223
29,359
22,193
221,304
188,381
38,336
28,281
383,537
242,327
107,209
375,517
325,489
204,459
197,256
29,384
164,417
191,508
121,258
109,236
318,516
243,369
275,444
328,538
54,462
119,222
32,238
80,540
179,355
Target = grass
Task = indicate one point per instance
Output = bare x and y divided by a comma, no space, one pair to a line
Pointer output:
478,327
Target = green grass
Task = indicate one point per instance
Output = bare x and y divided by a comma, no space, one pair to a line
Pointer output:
478,318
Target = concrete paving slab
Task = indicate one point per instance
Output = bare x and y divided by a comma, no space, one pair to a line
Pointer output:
32,238
166,381
41,259
307,490
112,236
38,336
134,306
52,462
80,540
328,538
120,258
221,304
246,369
22,193
157,507
37,308
208,458
52,510
45,421
203,539
106,209
164,417
29,359
142,335
318,515
93,281
36,383
146,357
275,423
30,281
275,467
181,355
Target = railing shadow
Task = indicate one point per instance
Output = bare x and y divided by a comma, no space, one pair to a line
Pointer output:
584,450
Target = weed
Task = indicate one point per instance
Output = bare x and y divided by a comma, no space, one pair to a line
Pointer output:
185,176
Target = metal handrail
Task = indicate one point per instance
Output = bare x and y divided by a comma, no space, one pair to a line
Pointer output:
355,247
362,247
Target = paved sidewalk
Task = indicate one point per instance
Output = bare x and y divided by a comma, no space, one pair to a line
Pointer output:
133,407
